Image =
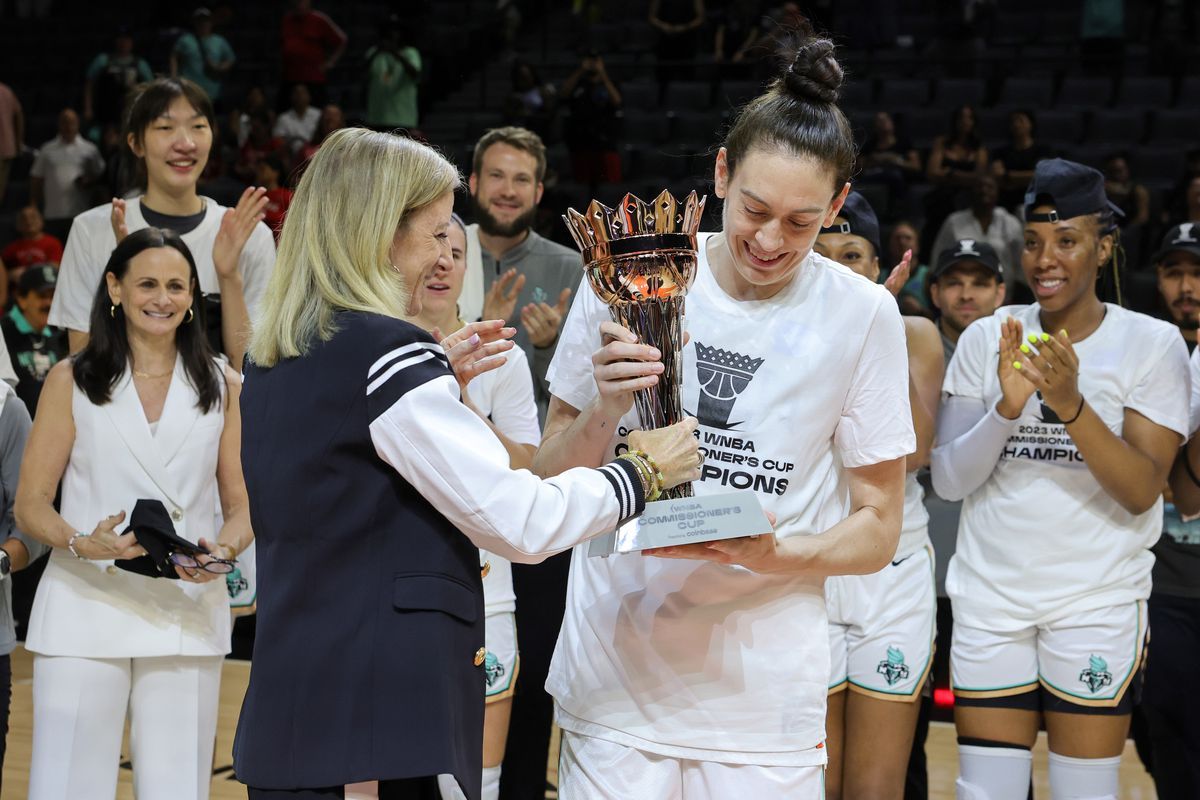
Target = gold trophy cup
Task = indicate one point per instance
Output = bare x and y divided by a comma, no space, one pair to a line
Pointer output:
640,259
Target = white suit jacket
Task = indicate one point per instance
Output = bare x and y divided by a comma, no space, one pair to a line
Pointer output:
94,609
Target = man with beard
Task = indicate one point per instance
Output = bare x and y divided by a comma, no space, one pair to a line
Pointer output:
966,284
1172,717
530,278
528,282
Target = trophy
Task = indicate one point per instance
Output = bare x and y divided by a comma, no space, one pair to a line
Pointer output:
640,259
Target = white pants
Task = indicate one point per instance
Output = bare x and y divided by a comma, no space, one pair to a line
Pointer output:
595,769
79,707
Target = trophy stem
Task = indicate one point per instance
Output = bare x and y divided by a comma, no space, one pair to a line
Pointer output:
659,321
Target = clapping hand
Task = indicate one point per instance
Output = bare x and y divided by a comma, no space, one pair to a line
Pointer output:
501,299
1016,389
541,320
117,218
236,226
900,274
1049,365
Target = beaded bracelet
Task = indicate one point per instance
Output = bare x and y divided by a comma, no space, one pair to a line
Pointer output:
643,471
659,481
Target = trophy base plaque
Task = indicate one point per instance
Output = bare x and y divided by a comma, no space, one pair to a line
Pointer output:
668,523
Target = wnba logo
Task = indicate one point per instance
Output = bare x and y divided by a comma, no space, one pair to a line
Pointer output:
723,376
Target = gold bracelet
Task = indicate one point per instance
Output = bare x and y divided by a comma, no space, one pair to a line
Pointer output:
643,472
659,481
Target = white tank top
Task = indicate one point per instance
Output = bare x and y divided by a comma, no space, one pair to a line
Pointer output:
93,609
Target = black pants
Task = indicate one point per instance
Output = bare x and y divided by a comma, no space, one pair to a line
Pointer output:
408,789
5,701
1171,710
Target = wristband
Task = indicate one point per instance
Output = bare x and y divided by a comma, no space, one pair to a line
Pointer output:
1077,412
659,482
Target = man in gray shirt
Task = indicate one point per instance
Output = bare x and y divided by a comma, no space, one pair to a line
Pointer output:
528,278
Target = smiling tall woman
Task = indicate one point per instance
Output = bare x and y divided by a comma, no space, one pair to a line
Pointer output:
170,129
1060,423
706,676
145,411
373,487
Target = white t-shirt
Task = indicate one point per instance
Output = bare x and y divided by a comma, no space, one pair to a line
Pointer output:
91,242
1040,540
914,530
296,130
699,660
1194,370
505,396
60,164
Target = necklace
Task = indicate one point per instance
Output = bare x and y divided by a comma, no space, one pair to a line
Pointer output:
137,374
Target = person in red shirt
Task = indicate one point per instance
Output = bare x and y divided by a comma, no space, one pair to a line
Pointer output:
311,44
269,175
34,245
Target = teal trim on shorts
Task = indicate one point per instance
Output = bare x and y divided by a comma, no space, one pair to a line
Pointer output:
1118,686
1031,684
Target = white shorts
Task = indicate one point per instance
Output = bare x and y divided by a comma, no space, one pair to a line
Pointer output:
596,769
1089,659
502,662
883,629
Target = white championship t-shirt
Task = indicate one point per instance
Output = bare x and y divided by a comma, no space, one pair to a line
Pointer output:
1194,370
1040,540
505,396
91,242
698,660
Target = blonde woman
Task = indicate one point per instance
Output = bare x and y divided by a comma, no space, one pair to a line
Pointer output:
373,488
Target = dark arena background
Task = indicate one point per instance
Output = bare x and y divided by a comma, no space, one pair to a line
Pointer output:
634,96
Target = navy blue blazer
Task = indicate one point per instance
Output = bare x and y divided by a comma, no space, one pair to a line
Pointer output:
370,604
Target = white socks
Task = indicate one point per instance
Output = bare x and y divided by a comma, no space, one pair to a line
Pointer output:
1083,778
993,773
491,783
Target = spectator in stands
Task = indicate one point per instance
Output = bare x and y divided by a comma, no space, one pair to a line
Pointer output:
297,126
1130,196
1172,717
203,57
967,284
253,103
109,79
258,145
12,133
311,45
592,126
270,176
120,167
903,237
736,25
678,24
63,172
984,221
35,345
332,119
955,161
1184,200
33,245
393,75
1013,163
531,102
890,159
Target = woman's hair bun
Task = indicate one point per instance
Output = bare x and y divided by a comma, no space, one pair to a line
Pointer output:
812,72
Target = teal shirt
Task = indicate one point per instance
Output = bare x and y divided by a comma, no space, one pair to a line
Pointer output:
194,54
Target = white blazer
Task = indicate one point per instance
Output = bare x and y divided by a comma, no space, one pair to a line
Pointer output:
92,609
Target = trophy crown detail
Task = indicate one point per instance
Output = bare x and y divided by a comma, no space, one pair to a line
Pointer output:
665,222
716,357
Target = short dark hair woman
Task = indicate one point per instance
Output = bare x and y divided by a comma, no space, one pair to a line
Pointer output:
144,412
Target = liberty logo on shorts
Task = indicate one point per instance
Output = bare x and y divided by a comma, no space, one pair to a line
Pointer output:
539,295
493,670
1096,676
723,375
893,669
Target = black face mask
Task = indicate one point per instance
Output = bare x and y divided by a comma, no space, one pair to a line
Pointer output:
152,527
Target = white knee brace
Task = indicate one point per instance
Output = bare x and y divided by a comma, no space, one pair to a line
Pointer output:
993,773
1083,778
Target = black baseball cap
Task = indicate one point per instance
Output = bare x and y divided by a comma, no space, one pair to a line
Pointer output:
860,220
1185,237
37,278
964,251
1073,189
